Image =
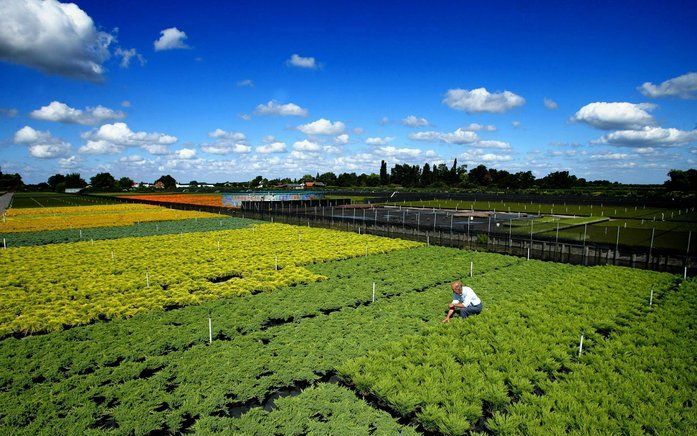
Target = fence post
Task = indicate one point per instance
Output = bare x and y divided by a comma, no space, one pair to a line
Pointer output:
648,259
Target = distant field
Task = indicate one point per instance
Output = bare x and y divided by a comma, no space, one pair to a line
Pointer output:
80,217
637,212
52,199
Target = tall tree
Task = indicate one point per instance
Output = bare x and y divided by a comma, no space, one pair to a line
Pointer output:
103,182
384,177
682,180
10,182
168,181
54,180
426,176
73,180
125,183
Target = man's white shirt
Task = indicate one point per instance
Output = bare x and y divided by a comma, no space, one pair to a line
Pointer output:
467,298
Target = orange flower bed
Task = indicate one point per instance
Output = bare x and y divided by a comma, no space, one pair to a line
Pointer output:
197,199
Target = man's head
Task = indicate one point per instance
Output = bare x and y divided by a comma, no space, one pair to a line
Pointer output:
456,286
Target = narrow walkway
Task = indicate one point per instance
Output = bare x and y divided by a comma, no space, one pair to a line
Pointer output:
5,202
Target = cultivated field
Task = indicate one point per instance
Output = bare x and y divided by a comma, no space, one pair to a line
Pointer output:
254,328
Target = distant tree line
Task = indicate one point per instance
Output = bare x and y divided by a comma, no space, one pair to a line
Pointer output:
435,176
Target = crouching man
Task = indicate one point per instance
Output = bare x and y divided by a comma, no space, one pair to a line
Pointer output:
464,300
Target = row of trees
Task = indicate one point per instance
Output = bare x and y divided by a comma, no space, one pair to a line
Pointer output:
404,175
442,176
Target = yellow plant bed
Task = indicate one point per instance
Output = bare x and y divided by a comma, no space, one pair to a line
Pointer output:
80,217
50,287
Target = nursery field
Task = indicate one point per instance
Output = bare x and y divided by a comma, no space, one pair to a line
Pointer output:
197,199
106,279
609,211
51,199
80,217
309,348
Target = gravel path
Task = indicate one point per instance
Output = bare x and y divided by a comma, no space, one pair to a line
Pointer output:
5,201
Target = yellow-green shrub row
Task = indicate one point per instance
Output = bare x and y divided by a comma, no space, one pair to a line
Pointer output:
50,287
57,218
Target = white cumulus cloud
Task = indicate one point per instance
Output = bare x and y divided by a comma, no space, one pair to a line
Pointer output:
379,140
302,62
684,86
62,113
480,100
272,147
40,144
484,127
284,110
170,39
113,138
127,55
399,153
618,115
342,139
185,153
56,38
550,104
649,136
459,136
414,121
322,127
306,145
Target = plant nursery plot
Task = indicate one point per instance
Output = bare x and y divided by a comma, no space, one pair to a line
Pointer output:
641,381
80,217
136,377
601,233
453,378
197,199
637,211
50,287
146,228
50,199
272,365
545,224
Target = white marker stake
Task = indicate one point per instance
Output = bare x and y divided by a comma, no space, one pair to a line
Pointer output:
373,292
147,278
276,261
580,347
80,233
684,275
210,330
528,253
651,298
471,268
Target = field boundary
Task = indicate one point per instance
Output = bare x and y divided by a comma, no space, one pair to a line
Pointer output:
539,247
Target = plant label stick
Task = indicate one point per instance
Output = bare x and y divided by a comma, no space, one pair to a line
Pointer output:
684,275
210,330
651,298
580,347
112,254
276,261
373,292
147,278
471,268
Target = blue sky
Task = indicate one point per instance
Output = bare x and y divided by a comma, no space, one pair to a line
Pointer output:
215,91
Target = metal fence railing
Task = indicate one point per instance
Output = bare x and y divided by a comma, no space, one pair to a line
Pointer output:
441,230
